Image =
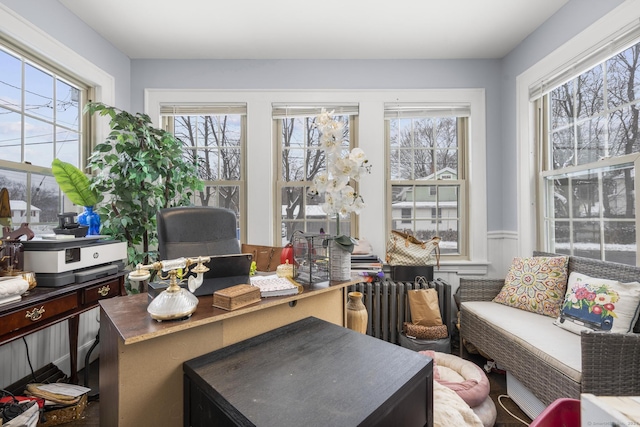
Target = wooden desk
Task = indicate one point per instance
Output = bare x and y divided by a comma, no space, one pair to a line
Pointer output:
141,359
309,373
43,307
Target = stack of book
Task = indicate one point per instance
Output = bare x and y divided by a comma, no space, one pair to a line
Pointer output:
367,266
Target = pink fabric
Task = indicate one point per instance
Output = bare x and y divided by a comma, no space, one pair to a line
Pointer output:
471,390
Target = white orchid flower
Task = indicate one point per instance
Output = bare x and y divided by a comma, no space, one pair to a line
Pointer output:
321,181
348,193
358,205
358,156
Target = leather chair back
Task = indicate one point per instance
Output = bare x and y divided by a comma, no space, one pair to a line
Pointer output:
189,231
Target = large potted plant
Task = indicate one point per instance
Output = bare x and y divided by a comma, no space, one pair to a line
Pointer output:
138,170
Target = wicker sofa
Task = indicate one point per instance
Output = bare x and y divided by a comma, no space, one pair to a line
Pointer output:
606,364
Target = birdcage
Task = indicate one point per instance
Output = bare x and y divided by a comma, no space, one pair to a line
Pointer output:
310,257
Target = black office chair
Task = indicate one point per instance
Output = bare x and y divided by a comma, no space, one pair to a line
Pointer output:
189,231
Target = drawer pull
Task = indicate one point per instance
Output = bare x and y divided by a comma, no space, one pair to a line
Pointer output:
104,291
35,314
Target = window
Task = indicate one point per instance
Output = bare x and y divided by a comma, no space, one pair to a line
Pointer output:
427,172
406,215
590,154
436,214
214,139
301,158
40,119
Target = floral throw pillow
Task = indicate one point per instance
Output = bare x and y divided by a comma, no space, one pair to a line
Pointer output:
599,305
535,284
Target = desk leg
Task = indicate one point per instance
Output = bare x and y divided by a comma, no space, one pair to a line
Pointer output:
73,323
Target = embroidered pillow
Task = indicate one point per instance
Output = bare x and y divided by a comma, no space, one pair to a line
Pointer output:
535,284
594,304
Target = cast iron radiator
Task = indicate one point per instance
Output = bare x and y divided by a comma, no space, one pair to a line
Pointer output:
388,306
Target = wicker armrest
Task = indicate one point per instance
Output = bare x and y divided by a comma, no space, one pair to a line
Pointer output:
475,289
610,364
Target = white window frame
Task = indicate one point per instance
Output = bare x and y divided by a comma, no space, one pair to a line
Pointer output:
261,153
52,55
218,110
581,47
309,111
462,128
29,36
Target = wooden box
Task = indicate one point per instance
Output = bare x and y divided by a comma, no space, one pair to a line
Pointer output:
236,296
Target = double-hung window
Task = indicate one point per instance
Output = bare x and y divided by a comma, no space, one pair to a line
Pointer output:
300,160
427,172
40,119
589,143
214,140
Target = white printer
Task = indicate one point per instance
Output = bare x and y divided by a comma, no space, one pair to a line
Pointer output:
76,260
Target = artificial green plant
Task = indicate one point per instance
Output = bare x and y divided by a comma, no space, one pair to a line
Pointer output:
139,170
74,183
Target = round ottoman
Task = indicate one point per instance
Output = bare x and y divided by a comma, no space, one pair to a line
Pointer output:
468,380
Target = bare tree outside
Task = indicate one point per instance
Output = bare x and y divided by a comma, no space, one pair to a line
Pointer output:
424,156
302,160
592,117
213,144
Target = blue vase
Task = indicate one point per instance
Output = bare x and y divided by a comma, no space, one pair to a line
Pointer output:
91,219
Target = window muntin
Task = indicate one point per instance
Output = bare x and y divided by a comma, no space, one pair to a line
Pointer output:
40,119
588,179
301,159
426,175
213,139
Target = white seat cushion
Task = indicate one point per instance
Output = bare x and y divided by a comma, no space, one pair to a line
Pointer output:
557,347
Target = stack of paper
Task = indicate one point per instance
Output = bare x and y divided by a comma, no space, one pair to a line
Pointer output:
274,286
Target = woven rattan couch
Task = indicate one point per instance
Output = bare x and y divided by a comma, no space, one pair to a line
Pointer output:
609,363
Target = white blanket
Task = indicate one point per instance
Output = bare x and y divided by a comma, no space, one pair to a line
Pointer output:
450,410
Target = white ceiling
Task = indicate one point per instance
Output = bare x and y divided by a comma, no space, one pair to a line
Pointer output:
302,29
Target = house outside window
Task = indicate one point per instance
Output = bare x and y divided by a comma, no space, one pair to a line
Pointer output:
40,119
590,150
300,160
214,140
427,172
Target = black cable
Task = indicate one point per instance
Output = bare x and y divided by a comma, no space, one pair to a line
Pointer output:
10,410
7,392
35,380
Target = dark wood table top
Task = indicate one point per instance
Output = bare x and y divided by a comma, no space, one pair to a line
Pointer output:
134,324
314,373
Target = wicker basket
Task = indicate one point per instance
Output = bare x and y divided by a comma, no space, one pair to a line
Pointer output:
65,415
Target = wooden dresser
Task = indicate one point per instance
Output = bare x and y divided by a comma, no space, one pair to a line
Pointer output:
42,307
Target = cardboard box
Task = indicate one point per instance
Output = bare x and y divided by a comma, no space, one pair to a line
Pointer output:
236,296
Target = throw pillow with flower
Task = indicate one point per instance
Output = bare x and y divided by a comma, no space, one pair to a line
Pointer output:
535,284
599,305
